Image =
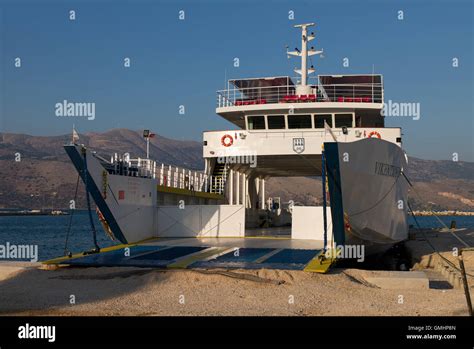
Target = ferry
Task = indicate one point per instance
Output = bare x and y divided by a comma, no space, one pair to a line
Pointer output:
330,126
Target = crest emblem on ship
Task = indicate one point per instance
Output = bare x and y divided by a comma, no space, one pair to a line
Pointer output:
298,145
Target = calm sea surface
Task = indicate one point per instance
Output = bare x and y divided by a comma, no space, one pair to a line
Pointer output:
49,232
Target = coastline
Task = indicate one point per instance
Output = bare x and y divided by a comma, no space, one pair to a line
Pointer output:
60,211
442,213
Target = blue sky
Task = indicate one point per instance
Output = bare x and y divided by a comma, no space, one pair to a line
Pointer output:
177,62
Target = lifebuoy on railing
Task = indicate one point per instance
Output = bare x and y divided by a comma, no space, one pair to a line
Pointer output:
374,133
227,140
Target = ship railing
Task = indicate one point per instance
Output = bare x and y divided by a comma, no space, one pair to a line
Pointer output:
341,93
166,175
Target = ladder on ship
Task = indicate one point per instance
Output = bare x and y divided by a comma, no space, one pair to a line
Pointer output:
322,92
219,175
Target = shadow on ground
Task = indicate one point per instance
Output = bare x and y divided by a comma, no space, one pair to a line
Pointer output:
42,290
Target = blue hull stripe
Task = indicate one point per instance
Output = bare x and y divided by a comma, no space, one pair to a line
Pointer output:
331,151
78,162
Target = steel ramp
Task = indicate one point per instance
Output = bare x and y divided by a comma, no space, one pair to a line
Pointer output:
179,256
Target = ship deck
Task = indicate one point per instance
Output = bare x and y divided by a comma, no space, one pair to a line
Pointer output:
250,252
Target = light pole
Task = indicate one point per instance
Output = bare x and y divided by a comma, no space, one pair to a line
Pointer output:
147,135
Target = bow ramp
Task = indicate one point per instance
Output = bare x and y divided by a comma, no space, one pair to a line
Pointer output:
208,253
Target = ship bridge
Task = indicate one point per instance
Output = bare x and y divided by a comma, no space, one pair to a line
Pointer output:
280,95
283,130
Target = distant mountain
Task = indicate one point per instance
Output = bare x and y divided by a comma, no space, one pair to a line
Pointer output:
183,153
45,178
433,170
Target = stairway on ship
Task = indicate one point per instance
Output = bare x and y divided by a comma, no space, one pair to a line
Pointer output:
219,175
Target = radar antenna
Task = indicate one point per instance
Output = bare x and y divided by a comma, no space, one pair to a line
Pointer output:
303,87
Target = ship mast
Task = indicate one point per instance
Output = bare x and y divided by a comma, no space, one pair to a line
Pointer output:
303,87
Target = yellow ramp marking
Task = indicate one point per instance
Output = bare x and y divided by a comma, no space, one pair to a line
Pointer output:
319,265
185,261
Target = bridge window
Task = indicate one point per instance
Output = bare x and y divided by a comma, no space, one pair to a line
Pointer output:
320,118
256,122
276,122
299,121
343,120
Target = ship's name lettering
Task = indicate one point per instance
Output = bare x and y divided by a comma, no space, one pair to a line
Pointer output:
387,170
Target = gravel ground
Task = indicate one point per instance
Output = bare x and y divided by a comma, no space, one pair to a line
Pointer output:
134,291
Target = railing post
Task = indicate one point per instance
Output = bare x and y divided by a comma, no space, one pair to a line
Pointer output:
162,174
168,180
176,175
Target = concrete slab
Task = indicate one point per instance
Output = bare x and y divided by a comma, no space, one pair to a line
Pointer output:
397,279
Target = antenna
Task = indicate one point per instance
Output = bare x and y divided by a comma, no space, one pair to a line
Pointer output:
304,54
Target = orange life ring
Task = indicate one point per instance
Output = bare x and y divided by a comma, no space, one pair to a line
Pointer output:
227,140
374,133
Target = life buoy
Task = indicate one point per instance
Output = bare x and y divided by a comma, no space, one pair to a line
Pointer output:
227,140
374,133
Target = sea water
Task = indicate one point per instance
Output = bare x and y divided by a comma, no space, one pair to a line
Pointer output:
49,233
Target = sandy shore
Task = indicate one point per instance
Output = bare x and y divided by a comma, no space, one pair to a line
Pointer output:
133,291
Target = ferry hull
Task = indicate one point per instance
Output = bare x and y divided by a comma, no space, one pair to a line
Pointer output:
368,193
127,204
